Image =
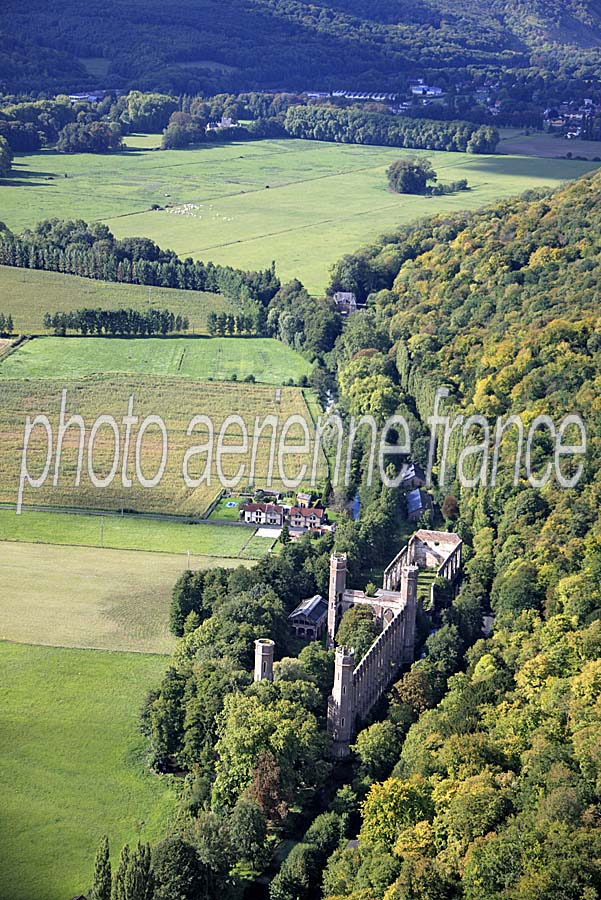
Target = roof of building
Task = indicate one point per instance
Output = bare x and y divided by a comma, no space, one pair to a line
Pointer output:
263,507
313,608
448,537
307,512
301,496
416,501
345,298
414,470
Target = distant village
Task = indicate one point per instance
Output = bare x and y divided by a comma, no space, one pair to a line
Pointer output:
572,119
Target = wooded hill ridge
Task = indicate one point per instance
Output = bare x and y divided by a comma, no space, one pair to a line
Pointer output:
198,45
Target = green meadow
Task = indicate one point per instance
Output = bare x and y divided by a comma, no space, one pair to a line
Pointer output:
301,203
28,293
71,751
87,597
267,360
124,533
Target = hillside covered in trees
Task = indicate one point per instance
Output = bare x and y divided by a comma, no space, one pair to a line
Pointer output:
494,790
195,46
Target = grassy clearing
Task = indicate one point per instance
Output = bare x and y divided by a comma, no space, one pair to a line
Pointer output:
27,294
175,401
302,203
91,598
71,753
123,533
268,360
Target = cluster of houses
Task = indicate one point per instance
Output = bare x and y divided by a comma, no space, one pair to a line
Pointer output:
309,515
569,118
304,516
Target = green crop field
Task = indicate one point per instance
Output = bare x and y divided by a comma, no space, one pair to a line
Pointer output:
27,294
87,597
175,401
302,203
74,759
124,533
268,360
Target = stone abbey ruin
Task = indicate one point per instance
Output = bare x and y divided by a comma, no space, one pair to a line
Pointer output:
359,684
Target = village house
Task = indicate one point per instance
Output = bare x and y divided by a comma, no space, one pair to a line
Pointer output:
304,500
421,89
345,302
224,122
262,514
306,517
310,618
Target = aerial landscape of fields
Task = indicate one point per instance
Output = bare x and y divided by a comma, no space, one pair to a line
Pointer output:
245,656
301,203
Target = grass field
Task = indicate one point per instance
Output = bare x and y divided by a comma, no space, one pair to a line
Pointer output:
548,146
258,546
91,598
27,294
72,766
124,533
176,401
302,203
217,358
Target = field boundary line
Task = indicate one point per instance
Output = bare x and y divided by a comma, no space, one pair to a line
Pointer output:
183,553
84,649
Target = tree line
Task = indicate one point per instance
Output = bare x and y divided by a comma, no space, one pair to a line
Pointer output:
125,322
98,127
91,251
296,117
6,158
230,324
327,123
